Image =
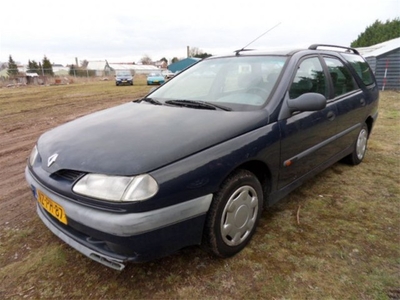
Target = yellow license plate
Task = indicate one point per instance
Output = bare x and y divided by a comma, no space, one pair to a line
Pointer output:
52,207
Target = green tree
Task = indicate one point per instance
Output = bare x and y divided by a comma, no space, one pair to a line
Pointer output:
33,67
12,70
72,70
203,55
47,66
81,72
174,60
377,33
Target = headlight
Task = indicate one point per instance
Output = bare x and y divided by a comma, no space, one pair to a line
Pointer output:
33,156
117,188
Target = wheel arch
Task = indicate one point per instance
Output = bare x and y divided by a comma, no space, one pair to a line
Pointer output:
263,174
370,122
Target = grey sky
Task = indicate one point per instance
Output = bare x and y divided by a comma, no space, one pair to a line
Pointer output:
125,31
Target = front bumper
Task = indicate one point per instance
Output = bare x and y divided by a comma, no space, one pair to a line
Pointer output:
114,239
118,82
157,82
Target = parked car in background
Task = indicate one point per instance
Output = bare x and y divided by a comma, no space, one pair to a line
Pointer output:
123,77
155,78
167,74
197,160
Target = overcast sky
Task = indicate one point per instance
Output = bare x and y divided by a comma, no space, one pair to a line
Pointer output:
125,31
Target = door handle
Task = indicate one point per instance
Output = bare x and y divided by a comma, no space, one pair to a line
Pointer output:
362,102
331,116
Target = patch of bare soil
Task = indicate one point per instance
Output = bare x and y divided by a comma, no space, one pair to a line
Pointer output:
18,134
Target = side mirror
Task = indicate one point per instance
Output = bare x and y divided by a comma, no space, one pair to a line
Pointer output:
307,102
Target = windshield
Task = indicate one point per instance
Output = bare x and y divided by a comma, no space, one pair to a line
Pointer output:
240,83
123,73
154,74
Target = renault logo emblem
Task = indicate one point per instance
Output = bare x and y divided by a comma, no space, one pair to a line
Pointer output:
51,160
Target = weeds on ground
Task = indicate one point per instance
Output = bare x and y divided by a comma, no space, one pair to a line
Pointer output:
336,237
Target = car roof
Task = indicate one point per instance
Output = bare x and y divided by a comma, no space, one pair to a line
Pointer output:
314,48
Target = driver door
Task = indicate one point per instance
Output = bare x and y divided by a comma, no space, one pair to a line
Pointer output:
306,136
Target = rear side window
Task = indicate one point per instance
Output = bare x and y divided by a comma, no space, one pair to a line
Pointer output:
361,66
343,81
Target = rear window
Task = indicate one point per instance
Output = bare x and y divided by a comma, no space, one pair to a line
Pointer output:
361,66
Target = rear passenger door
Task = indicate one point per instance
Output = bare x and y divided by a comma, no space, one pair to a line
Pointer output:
306,137
349,99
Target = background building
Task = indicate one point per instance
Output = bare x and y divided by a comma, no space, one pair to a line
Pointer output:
182,64
384,59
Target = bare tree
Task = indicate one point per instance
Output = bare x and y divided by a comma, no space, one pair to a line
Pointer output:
194,51
84,63
146,60
197,52
3,65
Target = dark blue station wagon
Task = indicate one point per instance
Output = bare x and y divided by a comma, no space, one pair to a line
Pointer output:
197,160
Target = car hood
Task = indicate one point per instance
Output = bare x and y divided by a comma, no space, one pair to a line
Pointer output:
136,138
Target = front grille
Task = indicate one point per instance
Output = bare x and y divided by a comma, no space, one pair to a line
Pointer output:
70,175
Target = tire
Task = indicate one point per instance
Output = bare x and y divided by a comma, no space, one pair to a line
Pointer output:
360,147
233,216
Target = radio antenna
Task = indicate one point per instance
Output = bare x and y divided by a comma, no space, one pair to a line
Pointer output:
244,48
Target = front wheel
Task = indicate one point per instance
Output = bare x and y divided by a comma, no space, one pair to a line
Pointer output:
233,215
360,147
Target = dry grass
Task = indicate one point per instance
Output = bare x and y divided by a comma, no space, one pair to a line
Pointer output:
336,237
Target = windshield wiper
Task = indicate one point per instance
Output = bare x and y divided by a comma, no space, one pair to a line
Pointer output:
197,104
150,100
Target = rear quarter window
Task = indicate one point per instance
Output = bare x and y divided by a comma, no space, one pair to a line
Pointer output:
361,66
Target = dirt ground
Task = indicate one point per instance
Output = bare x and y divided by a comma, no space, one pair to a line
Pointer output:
19,131
321,242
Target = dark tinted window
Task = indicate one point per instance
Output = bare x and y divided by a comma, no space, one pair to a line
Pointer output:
310,78
343,81
361,66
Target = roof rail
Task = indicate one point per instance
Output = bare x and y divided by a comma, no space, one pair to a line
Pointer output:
348,49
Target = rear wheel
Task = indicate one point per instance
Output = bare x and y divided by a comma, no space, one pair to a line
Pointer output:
233,215
360,147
